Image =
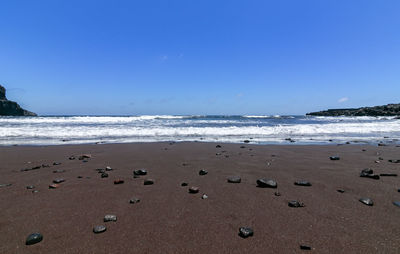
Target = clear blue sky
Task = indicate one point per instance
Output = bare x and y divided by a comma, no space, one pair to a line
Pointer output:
199,57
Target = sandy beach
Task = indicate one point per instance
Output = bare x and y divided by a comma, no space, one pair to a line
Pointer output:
168,219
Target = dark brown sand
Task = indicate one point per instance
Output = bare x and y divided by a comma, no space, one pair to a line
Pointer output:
170,220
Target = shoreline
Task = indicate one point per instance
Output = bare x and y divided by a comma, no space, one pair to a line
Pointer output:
170,220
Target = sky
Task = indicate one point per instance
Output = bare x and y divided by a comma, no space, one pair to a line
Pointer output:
203,57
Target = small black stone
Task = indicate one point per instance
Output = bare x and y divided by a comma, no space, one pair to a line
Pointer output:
59,171
368,173
396,203
72,158
194,190
30,187
245,232
334,158
340,190
203,172
104,175
366,201
277,194
58,180
34,238
394,161
295,203
99,229
56,163
234,179
108,168
305,247
246,141
79,176
302,183
218,146
148,182
242,147
110,217
134,200
140,172
266,183
184,184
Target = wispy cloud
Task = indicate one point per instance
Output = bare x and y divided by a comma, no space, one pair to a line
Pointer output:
344,99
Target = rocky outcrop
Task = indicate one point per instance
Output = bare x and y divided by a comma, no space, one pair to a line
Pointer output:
386,110
11,108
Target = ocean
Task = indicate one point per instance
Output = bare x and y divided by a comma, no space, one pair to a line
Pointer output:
258,129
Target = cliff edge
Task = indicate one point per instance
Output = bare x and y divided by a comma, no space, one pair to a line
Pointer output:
11,108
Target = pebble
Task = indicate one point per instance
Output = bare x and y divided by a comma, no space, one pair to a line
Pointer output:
99,229
56,163
148,182
242,147
203,172
366,201
302,183
277,194
54,186
72,158
246,141
79,176
35,191
30,187
118,181
394,161
34,238
108,168
110,217
234,179
245,232
134,200
85,156
266,183
334,158
140,172
5,185
194,190
104,175
396,203
295,203
59,171
184,184
340,190
204,196
369,173
305,247
59,180
218,146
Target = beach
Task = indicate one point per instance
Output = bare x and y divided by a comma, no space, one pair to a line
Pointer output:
169,219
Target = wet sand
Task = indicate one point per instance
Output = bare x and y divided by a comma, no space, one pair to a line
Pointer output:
170,220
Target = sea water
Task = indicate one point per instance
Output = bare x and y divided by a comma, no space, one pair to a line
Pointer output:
258,129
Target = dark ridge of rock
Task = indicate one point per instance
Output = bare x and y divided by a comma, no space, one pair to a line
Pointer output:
385,110
11,108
